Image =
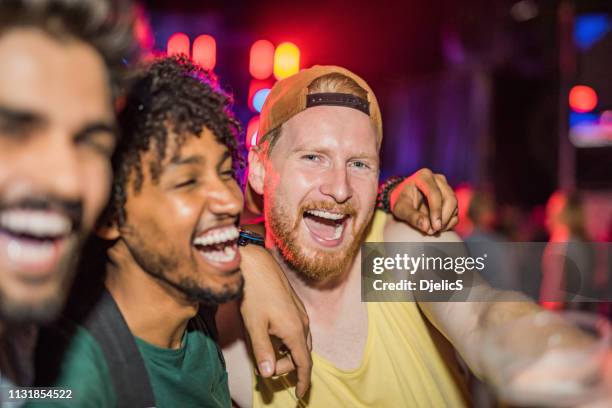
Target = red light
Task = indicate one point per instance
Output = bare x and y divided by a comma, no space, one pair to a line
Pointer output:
250,133
205,51
178,43
261,62
255,86
582,98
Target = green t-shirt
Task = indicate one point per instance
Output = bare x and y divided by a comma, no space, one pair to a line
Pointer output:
192,376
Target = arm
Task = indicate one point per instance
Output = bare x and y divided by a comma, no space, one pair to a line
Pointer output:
270,307
551,353
424,201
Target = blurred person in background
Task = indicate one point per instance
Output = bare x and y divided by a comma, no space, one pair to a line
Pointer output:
568,262
59,77
500,273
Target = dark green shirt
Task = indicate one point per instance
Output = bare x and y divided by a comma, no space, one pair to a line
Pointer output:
192,376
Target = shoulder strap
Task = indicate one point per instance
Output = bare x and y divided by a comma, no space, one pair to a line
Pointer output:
126,366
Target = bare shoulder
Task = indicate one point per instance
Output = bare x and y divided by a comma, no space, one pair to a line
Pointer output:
236,354
399,231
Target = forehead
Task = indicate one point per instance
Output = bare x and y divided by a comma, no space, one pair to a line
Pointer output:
333,127
206,146
61,79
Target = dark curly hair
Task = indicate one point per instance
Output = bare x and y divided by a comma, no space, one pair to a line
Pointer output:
171,94
106,25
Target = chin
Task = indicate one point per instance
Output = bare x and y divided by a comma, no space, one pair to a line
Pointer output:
33,310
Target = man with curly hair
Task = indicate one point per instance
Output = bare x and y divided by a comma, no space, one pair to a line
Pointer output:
169,246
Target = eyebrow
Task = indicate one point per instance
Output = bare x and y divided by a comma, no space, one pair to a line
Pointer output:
180,161
21,117
327,151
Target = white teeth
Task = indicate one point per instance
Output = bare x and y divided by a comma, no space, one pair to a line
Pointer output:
226,255
338,231
29,252
326,214
217,236
35,223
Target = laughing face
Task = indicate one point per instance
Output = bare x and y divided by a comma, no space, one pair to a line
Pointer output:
182,229
319,189
56,137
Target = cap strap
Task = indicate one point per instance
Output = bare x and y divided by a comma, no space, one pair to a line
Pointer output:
338,99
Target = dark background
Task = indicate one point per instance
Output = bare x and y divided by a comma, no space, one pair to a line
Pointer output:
474,89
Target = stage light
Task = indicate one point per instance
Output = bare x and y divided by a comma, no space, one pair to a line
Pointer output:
205,51
582,98
286,60
178,43
256,87
261,61
259,98
251,133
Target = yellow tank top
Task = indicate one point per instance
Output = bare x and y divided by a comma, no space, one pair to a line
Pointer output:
401,365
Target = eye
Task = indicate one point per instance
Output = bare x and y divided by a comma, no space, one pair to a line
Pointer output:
187,183
311,157
360,164
228,174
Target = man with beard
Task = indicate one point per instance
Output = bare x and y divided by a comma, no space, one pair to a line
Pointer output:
60,70
171,245
323,127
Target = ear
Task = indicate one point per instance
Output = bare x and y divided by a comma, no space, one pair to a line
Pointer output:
257,170
108,230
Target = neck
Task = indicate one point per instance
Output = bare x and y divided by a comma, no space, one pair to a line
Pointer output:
154,311
325,296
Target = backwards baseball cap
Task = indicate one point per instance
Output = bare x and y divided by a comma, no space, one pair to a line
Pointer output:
290,96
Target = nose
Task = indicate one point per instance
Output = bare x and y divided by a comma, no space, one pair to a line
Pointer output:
337,185
225,199
55,167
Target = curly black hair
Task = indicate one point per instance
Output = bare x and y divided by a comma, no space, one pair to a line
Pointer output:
171,94
106,25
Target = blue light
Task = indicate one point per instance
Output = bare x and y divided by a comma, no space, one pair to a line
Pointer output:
259,98
576,118
590,28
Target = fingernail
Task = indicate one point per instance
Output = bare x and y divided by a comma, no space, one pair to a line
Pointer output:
422,224
265,368
438,223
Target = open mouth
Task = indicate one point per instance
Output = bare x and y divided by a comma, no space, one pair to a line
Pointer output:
326,227
31,239
218,245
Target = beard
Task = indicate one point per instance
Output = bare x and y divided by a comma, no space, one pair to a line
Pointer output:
41,312
312,265
166,268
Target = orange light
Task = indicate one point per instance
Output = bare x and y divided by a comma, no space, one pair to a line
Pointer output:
251,137
178,43
582,98
286,60
205,51
261,61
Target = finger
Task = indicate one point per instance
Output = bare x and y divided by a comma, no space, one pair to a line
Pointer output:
449,201
452,223
284,365
426,183
263,351
300,354
412,216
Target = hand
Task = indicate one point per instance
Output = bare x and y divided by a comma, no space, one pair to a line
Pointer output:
426,202
548,359
271,307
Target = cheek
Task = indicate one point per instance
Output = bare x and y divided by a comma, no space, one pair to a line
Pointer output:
96,177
